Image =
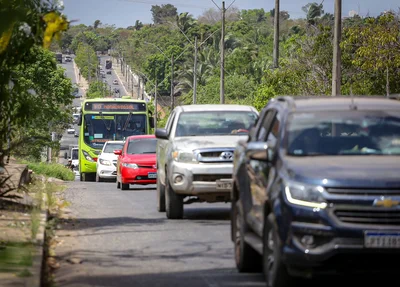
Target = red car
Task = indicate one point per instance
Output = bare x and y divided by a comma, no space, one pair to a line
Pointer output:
137,161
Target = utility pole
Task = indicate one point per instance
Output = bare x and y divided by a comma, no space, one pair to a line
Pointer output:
172,83
89,74
336,70
138,88
276,34
222,87
195,72
156,107
132,85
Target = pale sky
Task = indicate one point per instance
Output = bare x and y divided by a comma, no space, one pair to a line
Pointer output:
124,13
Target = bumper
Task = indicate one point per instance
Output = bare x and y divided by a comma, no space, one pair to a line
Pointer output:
138,176
336,246
198,179
106,171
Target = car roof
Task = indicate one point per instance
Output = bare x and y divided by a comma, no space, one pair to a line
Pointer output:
114,142
208,107
339,103
140,137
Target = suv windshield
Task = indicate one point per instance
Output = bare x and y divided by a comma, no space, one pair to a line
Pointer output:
111,147
142,146
214,123
344,133
100,129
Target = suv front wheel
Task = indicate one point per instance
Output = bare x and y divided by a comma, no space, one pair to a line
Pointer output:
173,202
275,271
247,259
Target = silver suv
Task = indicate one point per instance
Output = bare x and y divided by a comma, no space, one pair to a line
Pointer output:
195,154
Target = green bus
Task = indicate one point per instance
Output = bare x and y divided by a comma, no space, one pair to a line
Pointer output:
102,120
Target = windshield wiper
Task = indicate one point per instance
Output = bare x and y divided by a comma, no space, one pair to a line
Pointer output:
127,121
104,121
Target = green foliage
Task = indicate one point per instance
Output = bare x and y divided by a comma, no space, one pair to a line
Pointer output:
51,170
163,13
86,60
98,89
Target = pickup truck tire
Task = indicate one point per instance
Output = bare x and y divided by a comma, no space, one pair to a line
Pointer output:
275,272
173,202
247,259
124,186
160,196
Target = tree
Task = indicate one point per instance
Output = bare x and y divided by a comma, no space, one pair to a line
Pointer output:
96,24
313,12
98,89
212,15
86,60
163,13
138,25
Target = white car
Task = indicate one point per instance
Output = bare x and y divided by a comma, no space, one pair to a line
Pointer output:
106,165
115,82
71,130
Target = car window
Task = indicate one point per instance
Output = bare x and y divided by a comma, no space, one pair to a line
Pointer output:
142,146
111,147
214,123
344,133
170,122
266,125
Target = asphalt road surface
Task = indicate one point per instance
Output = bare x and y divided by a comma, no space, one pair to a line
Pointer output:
110,78
122,240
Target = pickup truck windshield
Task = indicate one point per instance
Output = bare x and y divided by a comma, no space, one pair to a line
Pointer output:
214,123
344,133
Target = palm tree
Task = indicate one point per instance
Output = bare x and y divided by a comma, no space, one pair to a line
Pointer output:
313,11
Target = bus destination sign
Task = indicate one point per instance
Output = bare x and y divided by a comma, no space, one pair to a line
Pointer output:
115,107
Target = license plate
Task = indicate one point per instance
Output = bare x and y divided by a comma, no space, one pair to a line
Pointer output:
152,175
382,239
224,184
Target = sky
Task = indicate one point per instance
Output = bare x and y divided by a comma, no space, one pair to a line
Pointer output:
124,13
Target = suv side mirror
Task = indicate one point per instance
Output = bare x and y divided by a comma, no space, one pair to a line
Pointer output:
162,134
257,151
118,152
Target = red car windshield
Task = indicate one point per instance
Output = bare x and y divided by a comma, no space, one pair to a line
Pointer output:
142,146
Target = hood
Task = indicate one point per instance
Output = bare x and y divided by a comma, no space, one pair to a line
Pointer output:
345,171
109,156
192,143
141,159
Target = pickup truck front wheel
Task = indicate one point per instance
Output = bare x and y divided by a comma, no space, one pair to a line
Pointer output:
173,202
160,196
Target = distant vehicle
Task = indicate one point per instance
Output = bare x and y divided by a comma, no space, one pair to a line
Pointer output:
116,91
75,91
74,156
68,59
108,64
59,57
115,82
71,130
106,165
137,161
76,134
109,72
76,118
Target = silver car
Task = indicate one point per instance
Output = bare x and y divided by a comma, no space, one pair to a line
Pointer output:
195,154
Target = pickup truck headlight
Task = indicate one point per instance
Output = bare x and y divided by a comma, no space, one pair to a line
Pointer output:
183,156
130,165
304,195
105,162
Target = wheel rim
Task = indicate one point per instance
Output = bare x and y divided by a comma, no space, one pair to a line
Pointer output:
270,257
237,237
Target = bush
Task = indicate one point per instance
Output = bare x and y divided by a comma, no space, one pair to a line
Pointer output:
51,170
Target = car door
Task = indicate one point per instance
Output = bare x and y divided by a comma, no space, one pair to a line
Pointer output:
257,172
120,159
162,146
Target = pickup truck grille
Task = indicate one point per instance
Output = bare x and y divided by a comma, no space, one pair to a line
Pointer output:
210,177
214,155
372,216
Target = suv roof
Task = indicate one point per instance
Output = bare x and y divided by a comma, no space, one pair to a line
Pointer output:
338,103
218,107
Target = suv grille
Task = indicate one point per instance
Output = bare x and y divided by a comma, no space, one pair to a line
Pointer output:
211,177
369,216
364,191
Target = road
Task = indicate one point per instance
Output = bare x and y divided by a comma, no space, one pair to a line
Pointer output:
110,78
123,241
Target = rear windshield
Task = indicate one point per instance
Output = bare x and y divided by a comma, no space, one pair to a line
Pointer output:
111,147
344,133
142,146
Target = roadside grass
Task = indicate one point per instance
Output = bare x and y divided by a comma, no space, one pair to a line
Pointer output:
16,257
51,170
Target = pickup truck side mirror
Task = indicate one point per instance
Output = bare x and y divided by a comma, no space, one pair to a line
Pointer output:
162,134
257,151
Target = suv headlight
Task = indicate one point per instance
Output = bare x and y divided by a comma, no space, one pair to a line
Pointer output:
105,162
184,156
130,165
304,195
87,156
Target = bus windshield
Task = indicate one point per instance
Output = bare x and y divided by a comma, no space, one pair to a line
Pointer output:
99,129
